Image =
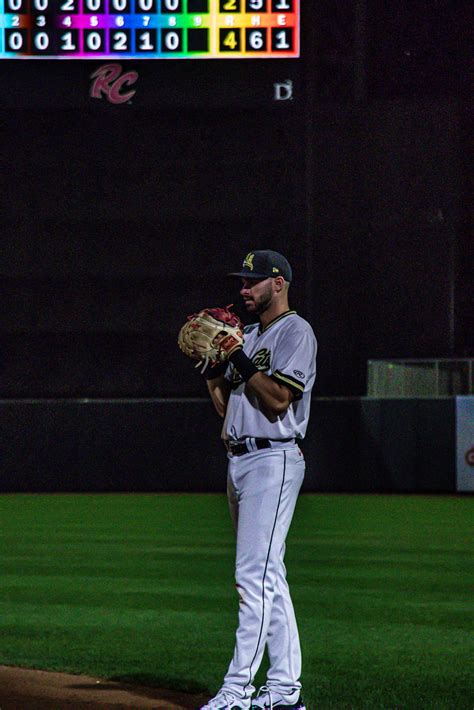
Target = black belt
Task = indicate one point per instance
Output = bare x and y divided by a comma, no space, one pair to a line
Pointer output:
237,448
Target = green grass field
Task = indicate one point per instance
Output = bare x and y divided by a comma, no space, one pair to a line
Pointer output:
140,587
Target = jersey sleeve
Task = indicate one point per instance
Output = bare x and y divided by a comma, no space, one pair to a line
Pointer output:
294,361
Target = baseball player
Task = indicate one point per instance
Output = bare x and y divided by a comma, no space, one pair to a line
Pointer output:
263,393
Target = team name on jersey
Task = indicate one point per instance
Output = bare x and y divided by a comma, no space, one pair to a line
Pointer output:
261,360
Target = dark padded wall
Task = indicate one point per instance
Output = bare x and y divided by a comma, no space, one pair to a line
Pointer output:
351,445
116,225
119,220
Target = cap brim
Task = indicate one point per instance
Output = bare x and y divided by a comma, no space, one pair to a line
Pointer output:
249,275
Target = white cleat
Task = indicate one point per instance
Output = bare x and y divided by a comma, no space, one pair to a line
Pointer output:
225,700
267,699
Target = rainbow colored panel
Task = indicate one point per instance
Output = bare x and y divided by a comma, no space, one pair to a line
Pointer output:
149,29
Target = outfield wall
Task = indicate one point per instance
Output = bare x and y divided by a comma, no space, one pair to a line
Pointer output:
355,444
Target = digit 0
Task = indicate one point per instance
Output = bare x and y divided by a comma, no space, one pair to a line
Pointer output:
14,5
171,6
15,41
94,41
93,5
41,41
171,41
145,5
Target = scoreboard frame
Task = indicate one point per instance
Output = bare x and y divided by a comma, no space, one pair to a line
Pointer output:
149,29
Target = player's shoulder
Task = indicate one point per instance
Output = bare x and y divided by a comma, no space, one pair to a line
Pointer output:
250,328
295,323
297,329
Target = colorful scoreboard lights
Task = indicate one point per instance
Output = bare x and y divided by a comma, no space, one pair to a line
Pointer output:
149,29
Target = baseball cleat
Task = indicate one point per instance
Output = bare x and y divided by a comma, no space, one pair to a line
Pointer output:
225,700
269,699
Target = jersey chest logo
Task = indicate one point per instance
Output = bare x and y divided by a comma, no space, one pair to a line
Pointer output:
261,359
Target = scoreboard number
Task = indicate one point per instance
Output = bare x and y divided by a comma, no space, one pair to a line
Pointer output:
120,41
145,6
229,5
69,6
16,6
255,40
119,6
171,40
229,40
41,41
282,39
255,5
93,6
145,41
173,6
93,40
282,5
15,40
69,41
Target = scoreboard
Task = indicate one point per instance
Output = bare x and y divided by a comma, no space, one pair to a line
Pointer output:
149,29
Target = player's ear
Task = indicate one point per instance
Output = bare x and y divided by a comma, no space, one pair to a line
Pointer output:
279,283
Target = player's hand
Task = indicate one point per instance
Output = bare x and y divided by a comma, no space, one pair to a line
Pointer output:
211,336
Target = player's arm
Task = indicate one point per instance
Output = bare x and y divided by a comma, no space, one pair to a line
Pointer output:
273,397
219,388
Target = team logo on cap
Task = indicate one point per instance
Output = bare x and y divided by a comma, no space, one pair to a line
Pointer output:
248,261
275,270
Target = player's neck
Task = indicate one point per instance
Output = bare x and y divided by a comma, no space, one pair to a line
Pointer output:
275,310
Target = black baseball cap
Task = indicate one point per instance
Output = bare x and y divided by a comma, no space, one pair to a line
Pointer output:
264,263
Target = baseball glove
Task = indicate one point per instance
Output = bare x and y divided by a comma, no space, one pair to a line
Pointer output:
211,335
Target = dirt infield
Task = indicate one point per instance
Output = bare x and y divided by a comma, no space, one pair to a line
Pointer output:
22,689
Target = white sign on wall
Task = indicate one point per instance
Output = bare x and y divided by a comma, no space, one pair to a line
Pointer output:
465,444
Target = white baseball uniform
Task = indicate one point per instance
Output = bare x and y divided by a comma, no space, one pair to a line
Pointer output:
263,486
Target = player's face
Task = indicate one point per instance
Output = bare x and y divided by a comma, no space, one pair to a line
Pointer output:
257,294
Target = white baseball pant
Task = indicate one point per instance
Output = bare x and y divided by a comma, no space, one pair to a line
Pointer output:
263,488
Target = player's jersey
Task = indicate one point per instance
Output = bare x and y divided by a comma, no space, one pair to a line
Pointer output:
285,350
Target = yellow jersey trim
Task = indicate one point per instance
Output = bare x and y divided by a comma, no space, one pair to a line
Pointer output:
289,381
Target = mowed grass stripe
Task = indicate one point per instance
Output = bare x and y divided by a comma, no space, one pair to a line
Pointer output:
141,588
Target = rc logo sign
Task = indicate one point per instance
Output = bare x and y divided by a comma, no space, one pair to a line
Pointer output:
108,81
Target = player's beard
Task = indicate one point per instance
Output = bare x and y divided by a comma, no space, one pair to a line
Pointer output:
262,303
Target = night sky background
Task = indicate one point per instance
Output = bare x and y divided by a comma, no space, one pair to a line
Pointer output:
119,220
